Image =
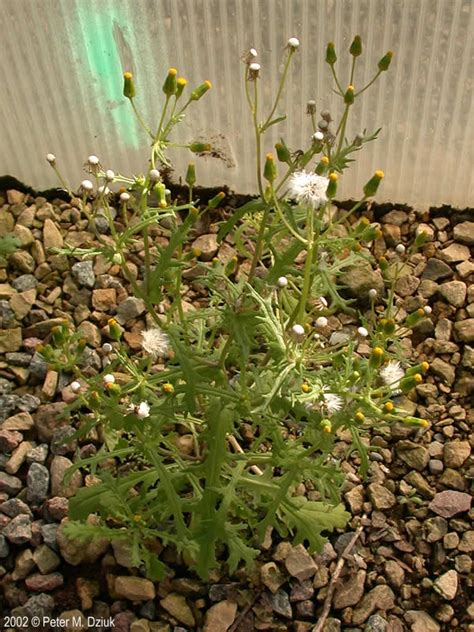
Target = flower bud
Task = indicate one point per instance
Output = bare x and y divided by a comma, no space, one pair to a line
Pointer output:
305,387
269,171
420,239
330,54
326,425
128,85
376,357
384,63
282,282
283,153
414,318
422,368
170,84
231,266
372,294
349,95
191,175
51,158
356,46
117,258
200,91
408,383
216,200
388,407
115,331
332,186
389,326
180,85
359,416
200,148
373,184
326,115
168,388
322,165
109,378
416,421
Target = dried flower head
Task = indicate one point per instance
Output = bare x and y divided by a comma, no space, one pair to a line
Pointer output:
318,136
92,165
124,197
308,189
362,331
154,175
311,107
249,56
391,374
298,330
86,185
109,379
293,43
51,158
372,293
282,281
321,322
332,403
75,386
143,410
254,71
155,343
109,175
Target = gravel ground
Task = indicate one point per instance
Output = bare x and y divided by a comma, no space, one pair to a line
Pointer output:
411,536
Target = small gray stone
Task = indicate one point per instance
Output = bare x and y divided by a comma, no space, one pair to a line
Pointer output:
25,282
436,269
281,604
61,443
38,369
456,453
37,606
443,370
59,466
45,559
349,590
300,564
37,483
49,534
376,623
435,466
83,273
4,548
381,497
14,507
38,454
129,309
465,329
9,484
18,530
413,454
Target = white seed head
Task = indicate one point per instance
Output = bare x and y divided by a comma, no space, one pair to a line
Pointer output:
308,189
293,43
155,343
322,300
332,403
87,185
109,379
154,175
143,410
298,330
51,158
103,190
253,52
427,309
322,321
254,67
392,373
400,249
362,331
282,281
124,197
318,136
93,160
75,386
107,347
372,293
109,175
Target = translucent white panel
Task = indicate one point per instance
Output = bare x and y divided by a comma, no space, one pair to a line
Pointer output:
62,61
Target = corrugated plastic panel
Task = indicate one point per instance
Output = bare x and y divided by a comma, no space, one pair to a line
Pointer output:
61,63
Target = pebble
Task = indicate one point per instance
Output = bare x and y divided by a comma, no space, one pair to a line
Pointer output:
14,507
381,598
83,273
436,270
9,484
25,282
104,299
176,605
450,502
467,542
280,602
58,468
435,466
38,582
464,233
220,616
456,453
376,623
271,576
9,440
45,559
72,620
300,564
18,530
349,591
447,585
134,588
129,309
413,454
454,253
454,292
380,497
52,237
421,621
444,370
10,339
465,329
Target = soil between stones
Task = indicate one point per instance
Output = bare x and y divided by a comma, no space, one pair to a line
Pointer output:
411,568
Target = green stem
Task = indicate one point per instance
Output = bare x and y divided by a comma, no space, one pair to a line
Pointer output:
140,119
308,264
285,221
280,90
336,80
163,113
369,84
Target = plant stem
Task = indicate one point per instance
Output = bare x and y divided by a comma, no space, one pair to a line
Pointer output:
280,90
140,119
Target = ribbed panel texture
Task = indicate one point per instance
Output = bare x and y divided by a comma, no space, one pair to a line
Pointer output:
61,63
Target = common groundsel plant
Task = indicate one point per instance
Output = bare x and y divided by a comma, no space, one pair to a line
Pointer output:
206,435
